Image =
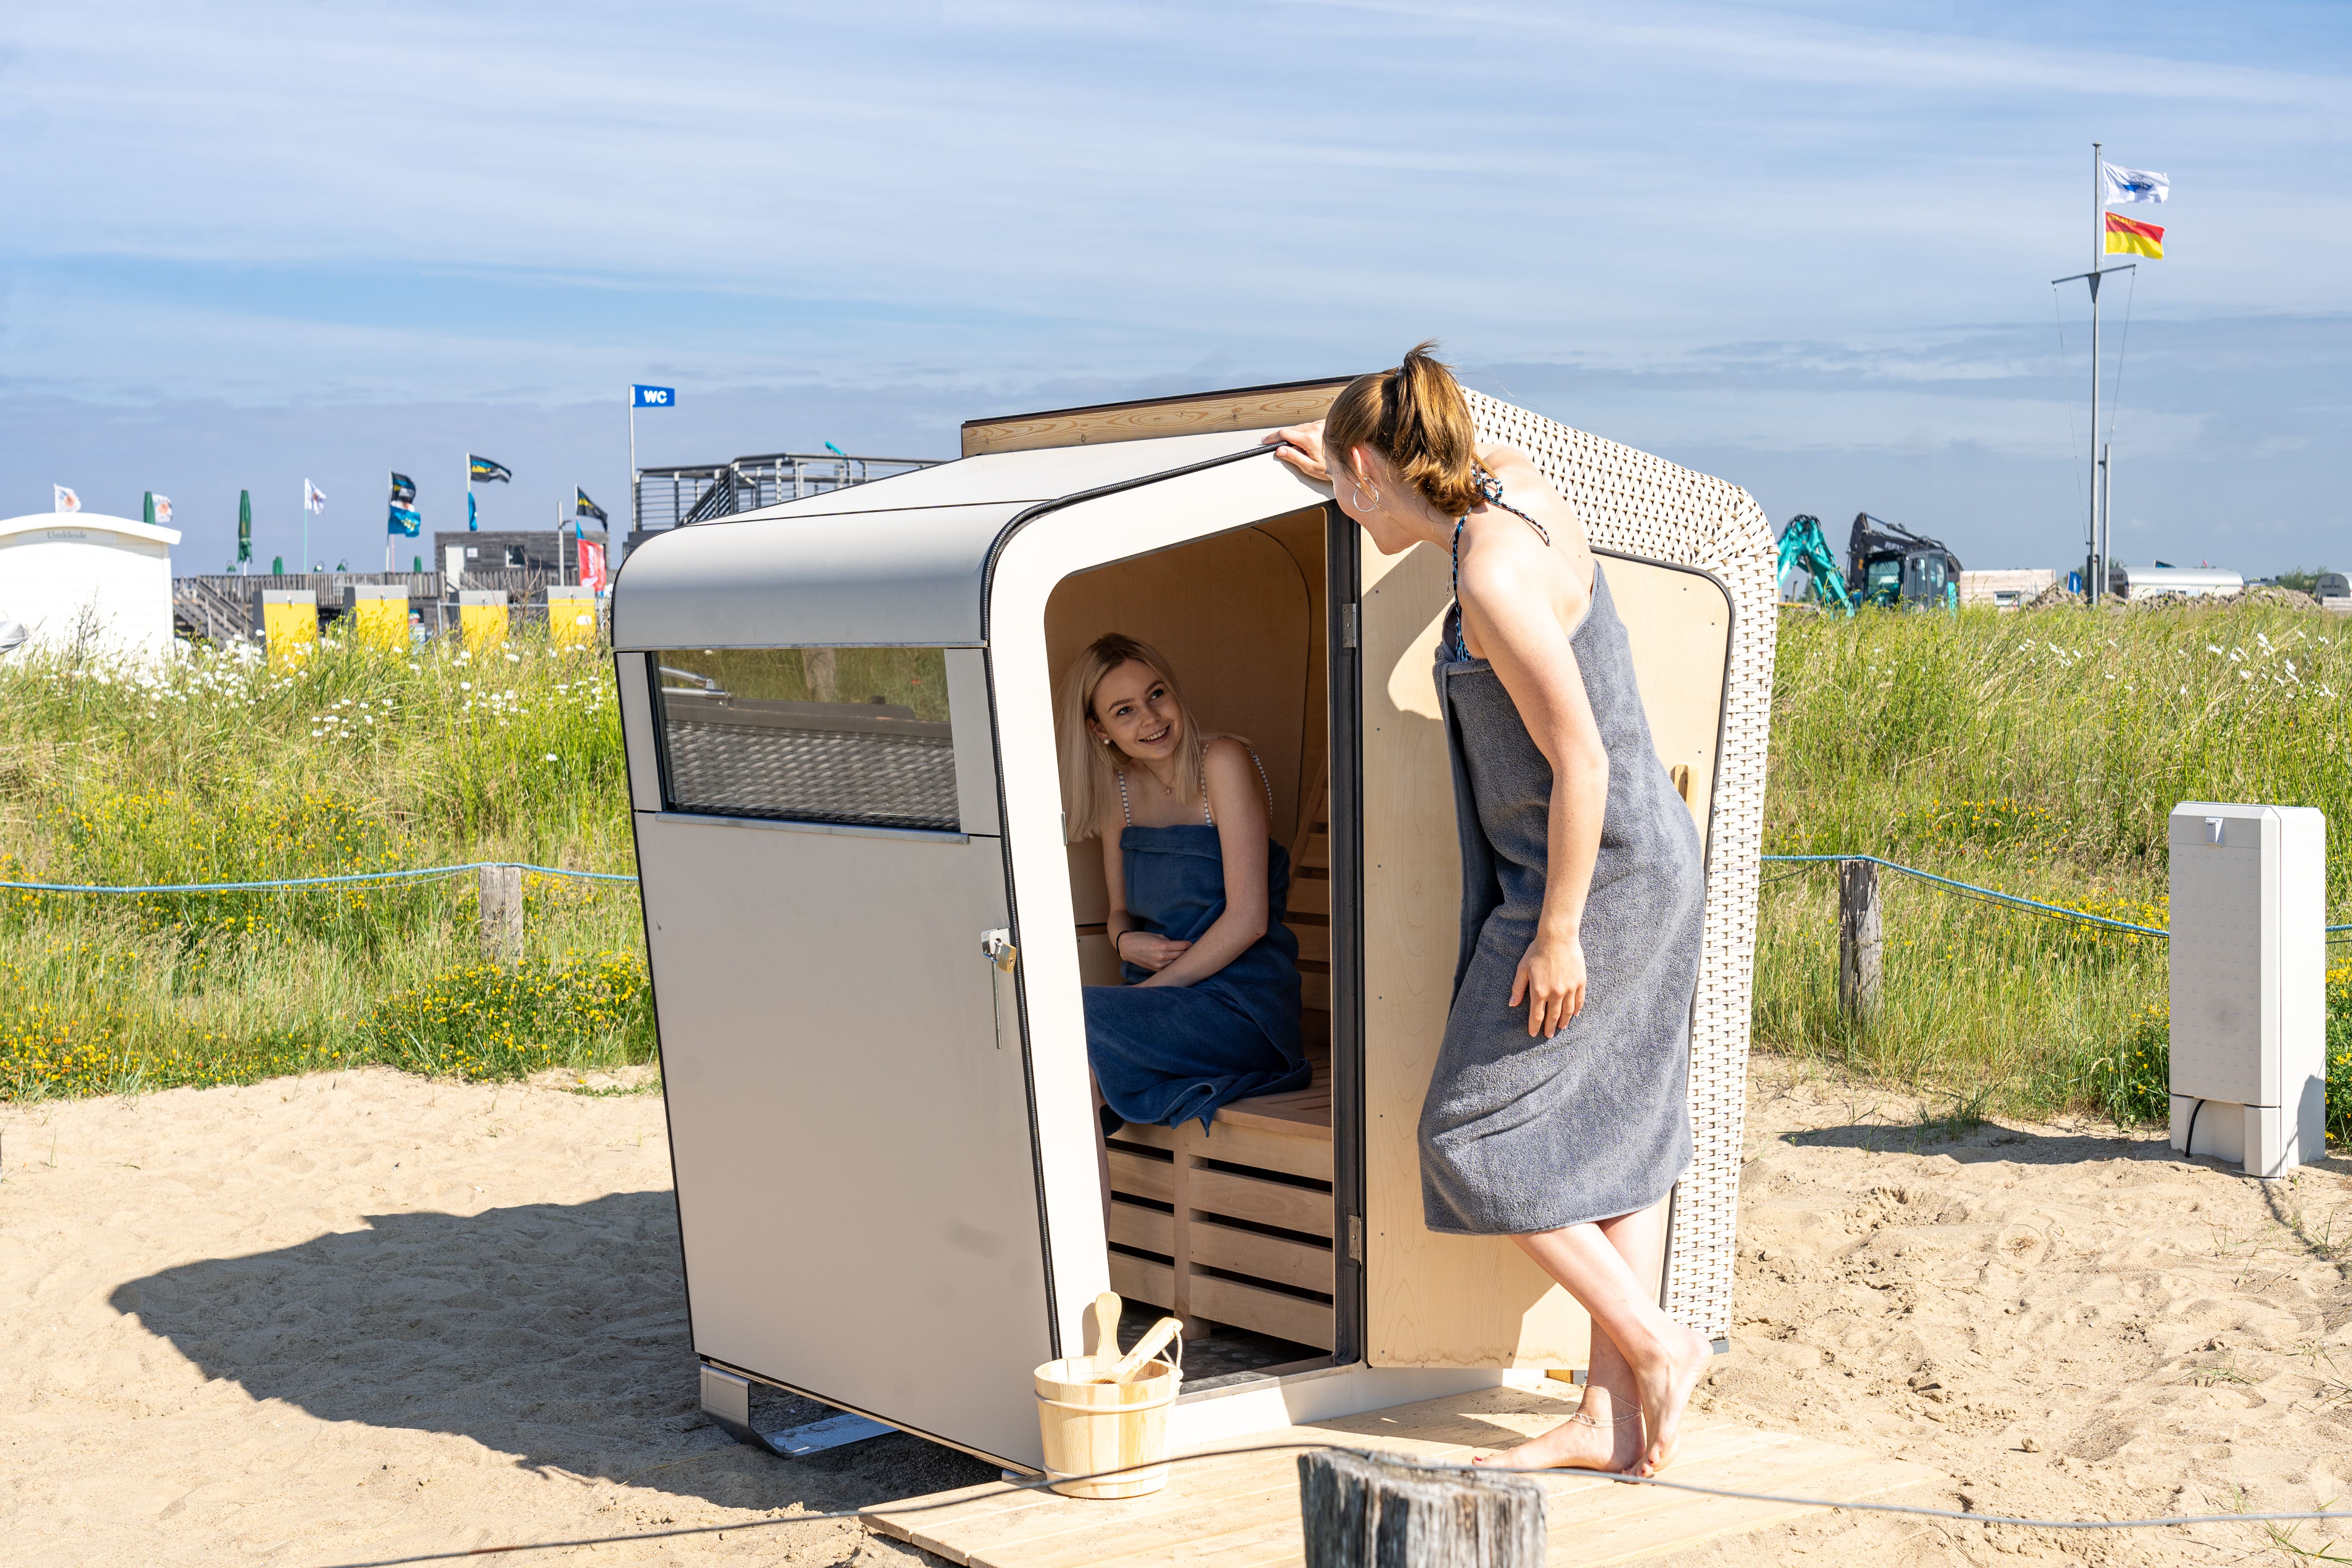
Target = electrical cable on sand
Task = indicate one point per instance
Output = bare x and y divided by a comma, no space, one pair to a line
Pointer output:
1009,1488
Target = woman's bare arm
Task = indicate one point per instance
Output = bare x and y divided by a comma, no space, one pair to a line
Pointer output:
1237,800
1517,604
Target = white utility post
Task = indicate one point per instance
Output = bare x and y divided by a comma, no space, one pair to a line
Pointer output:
2248,984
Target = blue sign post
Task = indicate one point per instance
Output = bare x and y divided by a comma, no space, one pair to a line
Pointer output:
641,396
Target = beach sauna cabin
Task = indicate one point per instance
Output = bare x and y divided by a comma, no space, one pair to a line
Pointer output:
868,934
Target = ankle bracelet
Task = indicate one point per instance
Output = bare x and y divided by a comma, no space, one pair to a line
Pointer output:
1596,1421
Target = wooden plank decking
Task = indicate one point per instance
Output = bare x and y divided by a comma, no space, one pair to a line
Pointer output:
1242,1512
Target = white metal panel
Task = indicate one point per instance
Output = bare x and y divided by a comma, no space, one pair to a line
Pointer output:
2302,958
642,756
911,578
1044,552
2219,980
856,1192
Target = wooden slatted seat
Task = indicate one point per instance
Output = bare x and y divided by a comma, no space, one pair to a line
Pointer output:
1234,1225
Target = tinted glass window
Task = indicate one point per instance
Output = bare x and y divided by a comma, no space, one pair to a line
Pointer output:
856,735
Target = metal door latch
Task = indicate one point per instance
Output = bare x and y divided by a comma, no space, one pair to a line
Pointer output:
997,947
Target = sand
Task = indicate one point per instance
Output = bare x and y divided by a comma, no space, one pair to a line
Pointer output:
347,1317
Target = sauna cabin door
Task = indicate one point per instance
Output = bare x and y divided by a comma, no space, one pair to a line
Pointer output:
850,1115
1450,1300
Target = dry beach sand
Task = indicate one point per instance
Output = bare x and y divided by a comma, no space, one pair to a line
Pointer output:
345,1318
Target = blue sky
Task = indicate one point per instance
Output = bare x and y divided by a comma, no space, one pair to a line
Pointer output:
1807,247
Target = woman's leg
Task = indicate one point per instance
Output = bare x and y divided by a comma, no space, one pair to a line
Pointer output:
1643,1361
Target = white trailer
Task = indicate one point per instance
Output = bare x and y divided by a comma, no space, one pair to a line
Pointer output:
867,936
103,581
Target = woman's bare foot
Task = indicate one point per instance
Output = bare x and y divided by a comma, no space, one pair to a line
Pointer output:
1601,1435
1666,1385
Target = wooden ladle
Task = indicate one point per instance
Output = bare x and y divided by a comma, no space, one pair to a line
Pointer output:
1154,1339
1106,1311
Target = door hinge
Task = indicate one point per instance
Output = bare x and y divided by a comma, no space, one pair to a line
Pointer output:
1347,625
1355,1239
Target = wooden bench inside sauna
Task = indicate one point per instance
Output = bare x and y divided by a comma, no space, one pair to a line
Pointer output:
1232,1227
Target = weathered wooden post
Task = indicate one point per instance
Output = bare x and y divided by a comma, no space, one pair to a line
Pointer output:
1859,947
1385,1512
501,899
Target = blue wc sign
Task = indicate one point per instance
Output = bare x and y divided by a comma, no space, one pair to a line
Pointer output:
653,396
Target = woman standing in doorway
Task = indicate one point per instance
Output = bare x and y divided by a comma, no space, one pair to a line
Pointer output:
1557,1113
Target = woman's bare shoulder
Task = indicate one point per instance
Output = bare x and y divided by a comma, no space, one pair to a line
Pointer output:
1229,755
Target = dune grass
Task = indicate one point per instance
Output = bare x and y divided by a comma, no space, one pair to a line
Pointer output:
2038,752
209,767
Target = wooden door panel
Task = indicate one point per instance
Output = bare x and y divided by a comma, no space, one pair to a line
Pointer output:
1429,1300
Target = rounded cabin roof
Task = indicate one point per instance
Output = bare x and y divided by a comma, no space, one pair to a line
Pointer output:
66,523
901,560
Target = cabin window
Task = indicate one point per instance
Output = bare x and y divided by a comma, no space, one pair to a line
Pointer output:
853,735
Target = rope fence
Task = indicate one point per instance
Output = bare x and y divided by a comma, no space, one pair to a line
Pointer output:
1991,895
356,876
1965,889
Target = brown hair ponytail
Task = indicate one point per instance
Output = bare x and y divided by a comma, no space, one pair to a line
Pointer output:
1416,417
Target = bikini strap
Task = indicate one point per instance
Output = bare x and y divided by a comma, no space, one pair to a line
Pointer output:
1125,810
1490,490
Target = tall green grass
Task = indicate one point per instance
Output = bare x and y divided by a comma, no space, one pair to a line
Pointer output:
2039,753
208,767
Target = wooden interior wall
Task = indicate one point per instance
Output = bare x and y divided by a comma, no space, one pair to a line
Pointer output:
1443,1300
1678,626
1238,615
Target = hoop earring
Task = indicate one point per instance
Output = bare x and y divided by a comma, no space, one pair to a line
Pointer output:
1361,505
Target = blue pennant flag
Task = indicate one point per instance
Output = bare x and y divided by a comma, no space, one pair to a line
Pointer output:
653,396
404,519
473,520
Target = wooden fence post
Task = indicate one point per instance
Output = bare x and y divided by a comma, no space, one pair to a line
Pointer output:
500,900
1859,947
1384,1512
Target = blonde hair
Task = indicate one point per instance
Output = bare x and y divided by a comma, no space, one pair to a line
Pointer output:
1416,417
1090,765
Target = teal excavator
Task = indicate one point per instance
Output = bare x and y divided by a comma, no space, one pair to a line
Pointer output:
1887,565
1803,549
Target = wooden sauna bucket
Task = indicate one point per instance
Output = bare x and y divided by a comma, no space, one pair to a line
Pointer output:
1089,1427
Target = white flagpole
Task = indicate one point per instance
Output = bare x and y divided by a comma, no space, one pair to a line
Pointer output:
305,565
2098,583
633,459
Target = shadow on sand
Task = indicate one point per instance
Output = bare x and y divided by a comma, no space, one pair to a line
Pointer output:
1982,1142
553,1332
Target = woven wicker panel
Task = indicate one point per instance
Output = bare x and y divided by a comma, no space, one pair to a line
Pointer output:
1641,505
812,775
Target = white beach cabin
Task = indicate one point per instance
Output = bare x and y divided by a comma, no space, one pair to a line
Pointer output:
67,576
867,936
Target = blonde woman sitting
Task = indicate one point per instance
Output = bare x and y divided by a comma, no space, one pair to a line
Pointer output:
1210,1011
